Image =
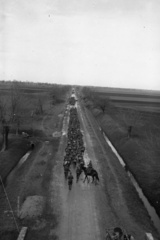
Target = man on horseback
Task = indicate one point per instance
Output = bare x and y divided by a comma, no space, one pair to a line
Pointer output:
90,172
89,167
90,164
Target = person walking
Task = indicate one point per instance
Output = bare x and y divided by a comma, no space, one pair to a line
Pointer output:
70,180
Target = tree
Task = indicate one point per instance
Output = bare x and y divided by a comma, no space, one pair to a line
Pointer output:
86,93
58,93
130,118
18,119
9,108
15,100
5,127
5,133
94,99
40,104
102,103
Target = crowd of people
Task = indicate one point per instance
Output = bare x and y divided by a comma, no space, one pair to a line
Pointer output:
117,233
75,145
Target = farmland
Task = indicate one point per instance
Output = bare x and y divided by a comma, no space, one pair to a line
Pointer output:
148,101
39,114
141,110
38,117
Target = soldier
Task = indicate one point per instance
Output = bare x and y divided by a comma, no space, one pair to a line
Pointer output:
70,180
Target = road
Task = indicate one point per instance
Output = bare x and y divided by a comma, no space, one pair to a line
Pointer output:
87,210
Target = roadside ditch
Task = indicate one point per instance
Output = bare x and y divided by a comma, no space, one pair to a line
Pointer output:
151,211
145,223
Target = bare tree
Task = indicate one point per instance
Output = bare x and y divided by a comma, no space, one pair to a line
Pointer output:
40,104
86,92
131,118
93,99
18,119
2,109
86,95
58,93
4,124
9,108
102,103
15,100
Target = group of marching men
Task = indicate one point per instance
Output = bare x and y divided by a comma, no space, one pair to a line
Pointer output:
75,146
74,151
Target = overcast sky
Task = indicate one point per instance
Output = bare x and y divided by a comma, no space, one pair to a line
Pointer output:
113,43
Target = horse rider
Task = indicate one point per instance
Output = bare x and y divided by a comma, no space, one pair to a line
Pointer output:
90,164
89,167
70,180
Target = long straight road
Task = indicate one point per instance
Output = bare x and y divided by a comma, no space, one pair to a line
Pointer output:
79,212
87,210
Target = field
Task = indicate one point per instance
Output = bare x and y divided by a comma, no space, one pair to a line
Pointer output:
140,151
136,99
35,187
38,113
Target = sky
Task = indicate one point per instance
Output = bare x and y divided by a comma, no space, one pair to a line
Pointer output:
110,43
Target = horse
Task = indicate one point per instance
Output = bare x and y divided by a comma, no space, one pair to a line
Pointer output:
90,172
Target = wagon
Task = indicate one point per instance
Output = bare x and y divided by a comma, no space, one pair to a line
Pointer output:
117,233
